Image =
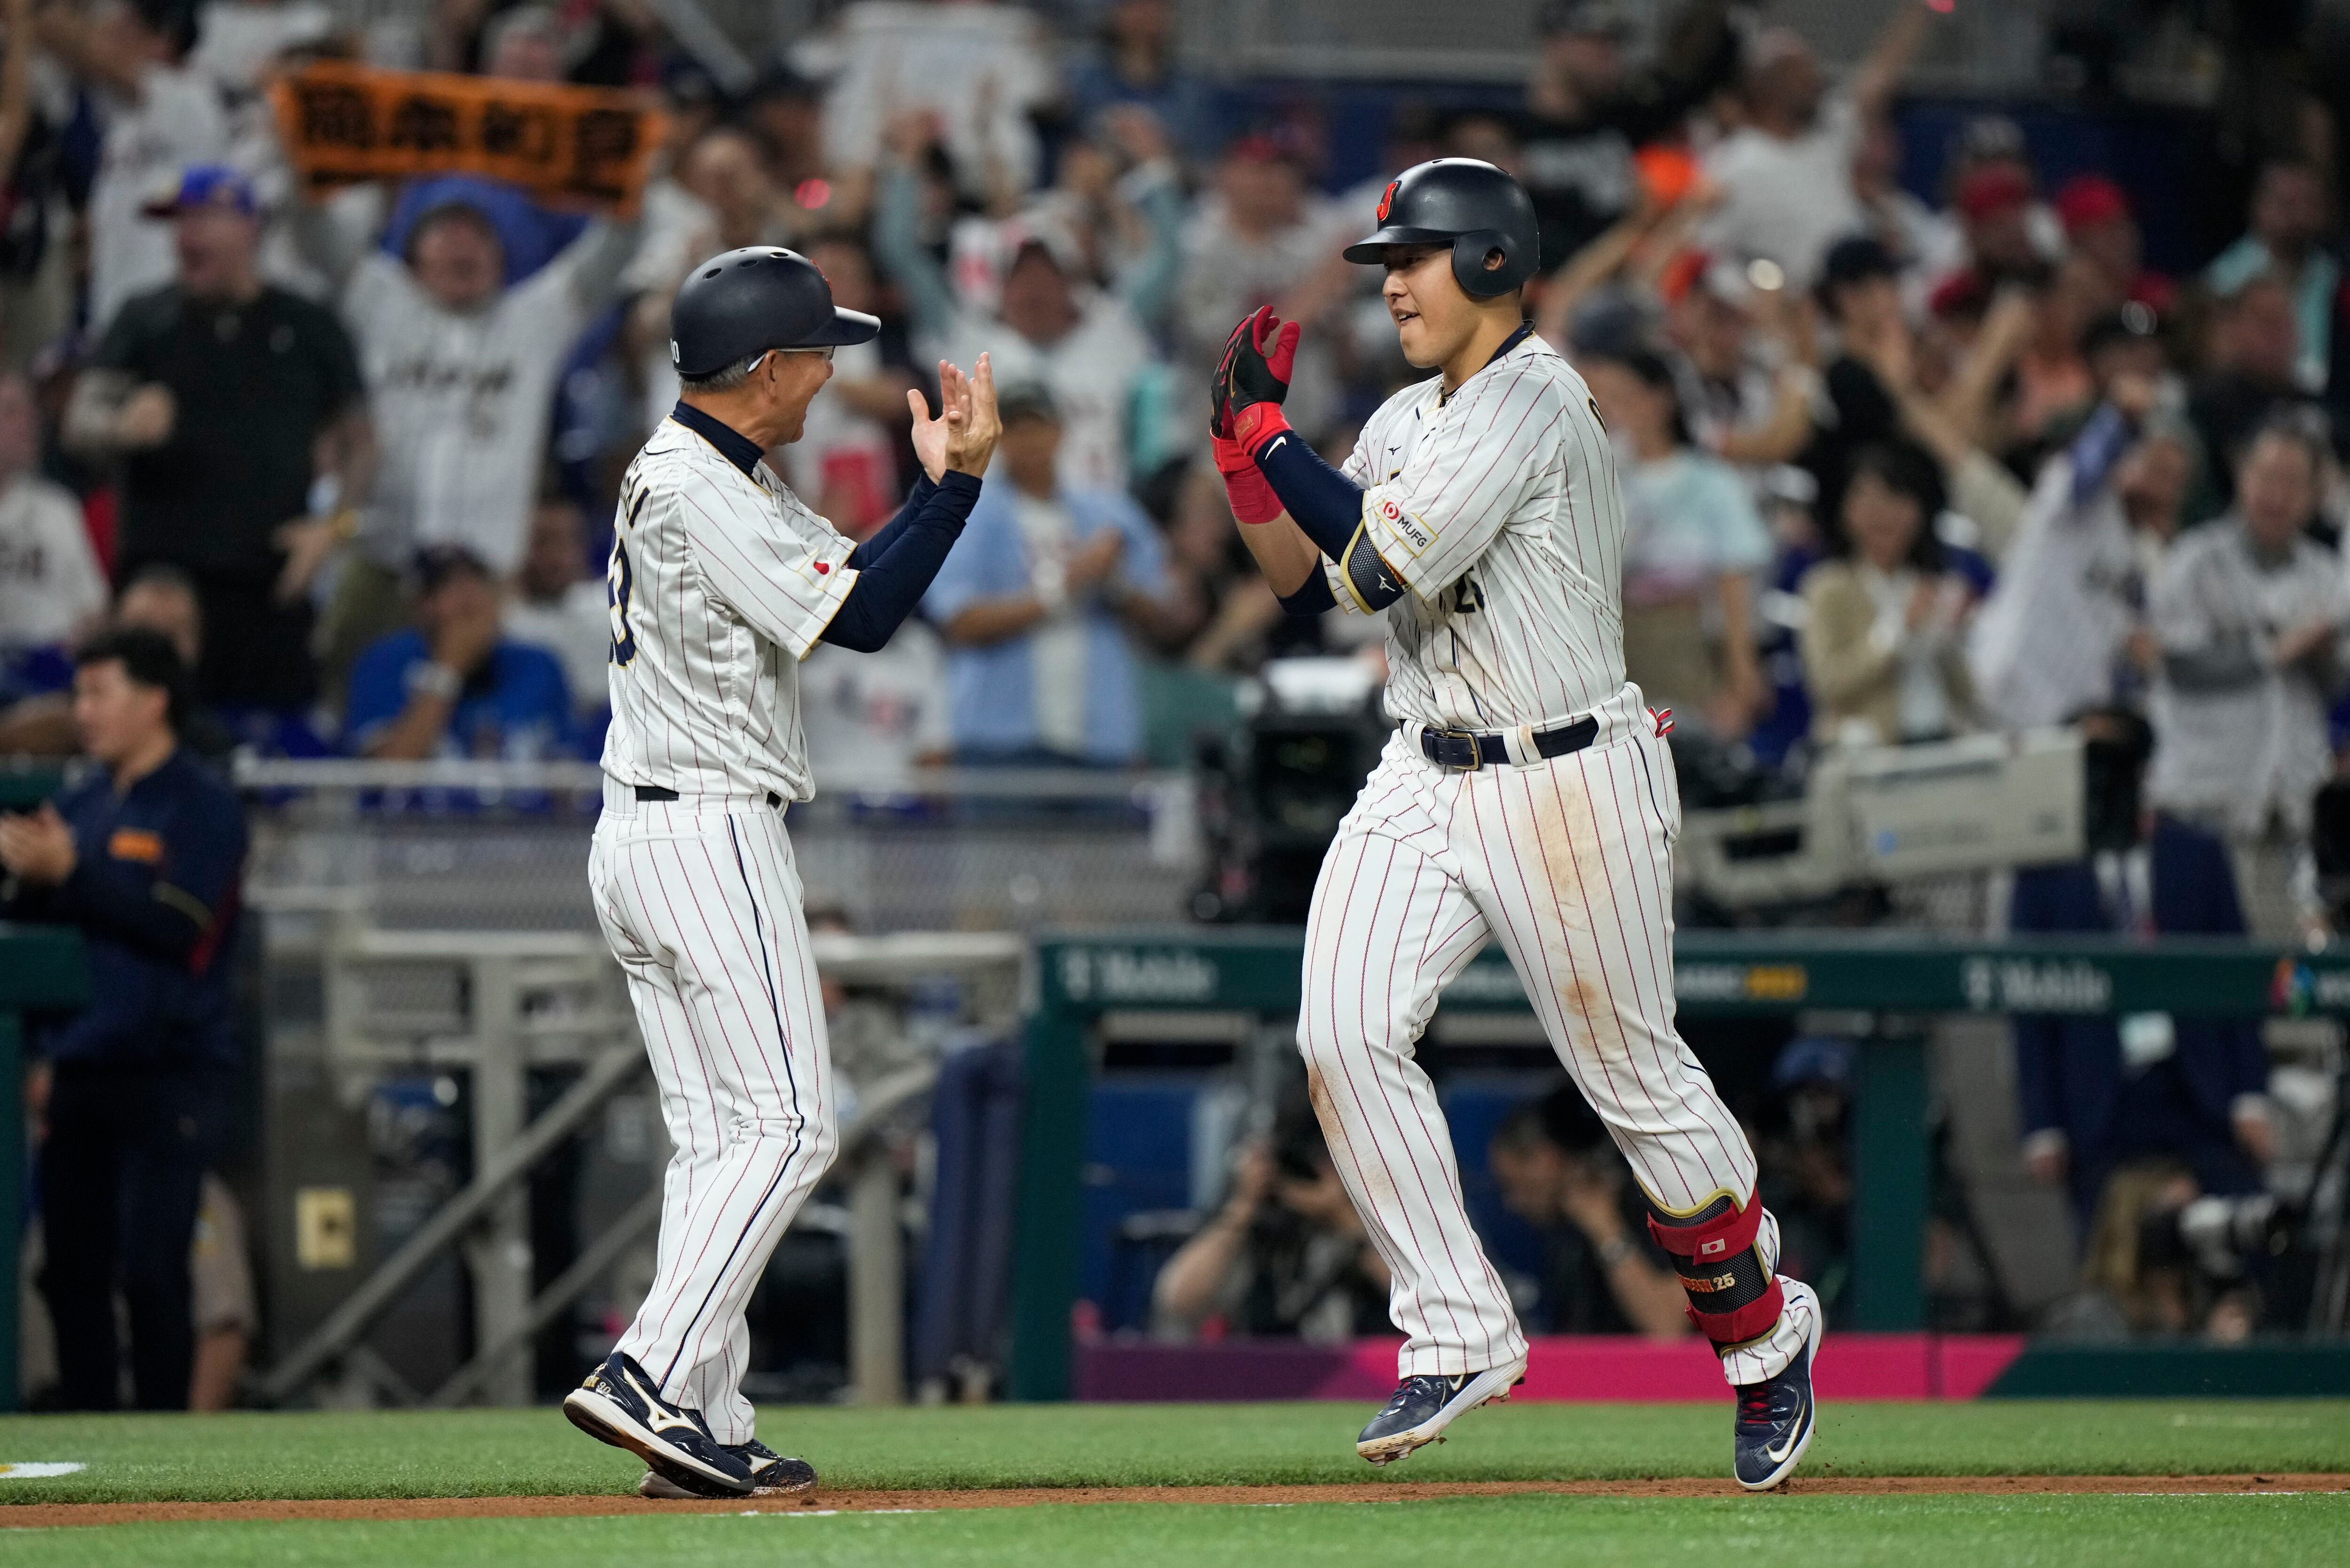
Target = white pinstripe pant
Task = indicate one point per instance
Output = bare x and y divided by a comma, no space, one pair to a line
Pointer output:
1568,864
700,902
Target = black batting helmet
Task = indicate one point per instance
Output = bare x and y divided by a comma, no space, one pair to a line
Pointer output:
749,301
1468,204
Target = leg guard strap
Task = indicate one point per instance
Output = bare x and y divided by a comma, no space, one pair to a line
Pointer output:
1732,1296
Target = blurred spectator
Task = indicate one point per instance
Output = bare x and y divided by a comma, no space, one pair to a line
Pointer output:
1135,66
1048,325
2249,613
1121,194
876,718
1229,618
1995,202
2095,1093
2289,222
220,1295
787,110
145,856
1860,290
1947,388
727,170
1805,1148
1287,1255
1586,111
158,598
1786,173
1929,244
36,303
2248,374
1553,1163
557,606
1883,650
161,117
461,371
2063,629
238,40
222,398
454,685
2136,1278
51,591
1693,546
1752,355
2103,231
1262,236
976,71
1036,603
846,460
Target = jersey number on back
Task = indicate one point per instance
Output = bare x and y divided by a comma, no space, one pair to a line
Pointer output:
619,580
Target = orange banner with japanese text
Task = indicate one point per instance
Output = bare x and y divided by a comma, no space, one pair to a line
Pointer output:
571,146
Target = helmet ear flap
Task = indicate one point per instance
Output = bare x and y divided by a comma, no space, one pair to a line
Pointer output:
1477,280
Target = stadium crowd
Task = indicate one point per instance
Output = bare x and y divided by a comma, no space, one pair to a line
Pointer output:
1900,465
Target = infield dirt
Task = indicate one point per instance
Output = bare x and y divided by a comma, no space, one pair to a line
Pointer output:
591,1505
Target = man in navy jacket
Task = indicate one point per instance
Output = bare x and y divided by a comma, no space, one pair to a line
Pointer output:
2098,1092
145,856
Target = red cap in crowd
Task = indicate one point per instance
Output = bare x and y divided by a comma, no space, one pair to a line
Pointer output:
2087,200
1992,189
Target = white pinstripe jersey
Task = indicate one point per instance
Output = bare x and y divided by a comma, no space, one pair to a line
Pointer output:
720,583
1498,508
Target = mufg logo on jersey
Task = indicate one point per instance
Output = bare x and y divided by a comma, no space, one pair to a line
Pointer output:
2026,985
1112,975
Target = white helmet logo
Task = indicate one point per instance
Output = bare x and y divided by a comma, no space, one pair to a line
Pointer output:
672,351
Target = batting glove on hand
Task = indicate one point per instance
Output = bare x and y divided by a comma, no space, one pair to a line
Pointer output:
1245,485
1258,361
1219,385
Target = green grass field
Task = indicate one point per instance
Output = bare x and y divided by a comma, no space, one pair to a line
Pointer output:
532,1452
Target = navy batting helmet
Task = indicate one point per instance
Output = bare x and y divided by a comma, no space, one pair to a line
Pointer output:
1468,204
749,301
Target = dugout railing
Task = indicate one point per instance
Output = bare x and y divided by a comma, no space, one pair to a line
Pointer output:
1082,979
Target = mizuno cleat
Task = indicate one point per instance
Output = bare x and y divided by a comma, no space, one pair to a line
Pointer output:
772,1475
620,1405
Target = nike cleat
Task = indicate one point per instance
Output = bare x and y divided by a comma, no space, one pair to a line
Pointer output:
620,1404
1776,1416
1423,1406
772,1475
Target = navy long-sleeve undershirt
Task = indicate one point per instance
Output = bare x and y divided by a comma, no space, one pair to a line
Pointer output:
896,565
1319,499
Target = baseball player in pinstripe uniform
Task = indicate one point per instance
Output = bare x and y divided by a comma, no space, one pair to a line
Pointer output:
721,582
1528,796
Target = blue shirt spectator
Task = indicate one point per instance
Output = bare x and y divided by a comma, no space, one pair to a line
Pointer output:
454,685
1034,604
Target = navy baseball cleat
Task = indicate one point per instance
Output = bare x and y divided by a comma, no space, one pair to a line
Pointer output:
621,1404
1423,1406
772,1475
1776,1416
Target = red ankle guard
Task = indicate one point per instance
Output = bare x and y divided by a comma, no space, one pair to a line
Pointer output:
1732,1297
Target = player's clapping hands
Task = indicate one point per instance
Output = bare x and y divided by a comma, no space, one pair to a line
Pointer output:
963,435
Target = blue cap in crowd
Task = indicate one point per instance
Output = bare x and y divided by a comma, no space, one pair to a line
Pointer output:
206,185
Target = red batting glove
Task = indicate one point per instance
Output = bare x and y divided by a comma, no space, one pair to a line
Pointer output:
1245,485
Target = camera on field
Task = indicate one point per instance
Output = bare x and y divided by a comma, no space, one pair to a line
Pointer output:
2218,1236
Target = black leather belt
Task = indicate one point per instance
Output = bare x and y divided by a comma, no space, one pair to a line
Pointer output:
1468,749
656,793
